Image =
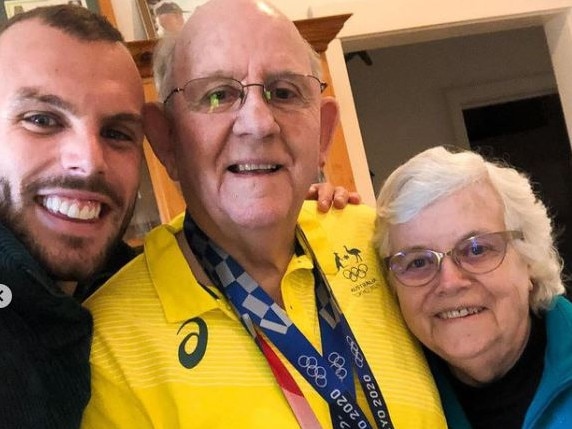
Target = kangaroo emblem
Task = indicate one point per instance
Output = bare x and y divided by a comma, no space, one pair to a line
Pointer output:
339,264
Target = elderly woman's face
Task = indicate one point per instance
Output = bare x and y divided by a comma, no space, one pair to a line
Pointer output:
479,323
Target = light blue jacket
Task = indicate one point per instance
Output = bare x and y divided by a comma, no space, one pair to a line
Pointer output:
551,407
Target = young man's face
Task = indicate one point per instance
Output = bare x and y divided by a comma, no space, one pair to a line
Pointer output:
70,145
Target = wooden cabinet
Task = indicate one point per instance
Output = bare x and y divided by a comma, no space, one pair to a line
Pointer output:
169,202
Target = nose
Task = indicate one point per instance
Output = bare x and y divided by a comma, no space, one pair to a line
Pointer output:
84,154
451,277
255,117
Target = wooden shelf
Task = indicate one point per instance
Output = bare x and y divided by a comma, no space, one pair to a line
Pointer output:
319,32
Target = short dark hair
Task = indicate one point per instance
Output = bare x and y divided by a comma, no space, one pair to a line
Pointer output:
74,20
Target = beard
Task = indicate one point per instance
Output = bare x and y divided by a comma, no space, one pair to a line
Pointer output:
70,258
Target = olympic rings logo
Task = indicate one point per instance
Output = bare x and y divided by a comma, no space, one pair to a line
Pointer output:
313,370
337,361
354,349
356,273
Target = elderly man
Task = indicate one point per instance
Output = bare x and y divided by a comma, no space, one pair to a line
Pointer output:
170,18
252,311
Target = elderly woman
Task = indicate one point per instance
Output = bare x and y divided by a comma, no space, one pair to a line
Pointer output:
470,254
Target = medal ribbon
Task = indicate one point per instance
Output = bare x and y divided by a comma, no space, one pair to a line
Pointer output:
256,309
298,403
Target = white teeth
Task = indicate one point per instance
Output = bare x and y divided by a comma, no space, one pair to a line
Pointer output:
64,207
85,213
74,209
461,312
255,167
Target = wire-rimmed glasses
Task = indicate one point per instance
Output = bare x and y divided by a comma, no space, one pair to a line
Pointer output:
479,254
217,94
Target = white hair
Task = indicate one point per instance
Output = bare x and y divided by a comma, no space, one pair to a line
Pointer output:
163,65
437,173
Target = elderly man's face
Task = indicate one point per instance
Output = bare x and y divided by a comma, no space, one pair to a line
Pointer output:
171,22
479,323
251,167
70,145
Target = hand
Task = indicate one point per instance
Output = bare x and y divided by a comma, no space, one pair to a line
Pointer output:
328,195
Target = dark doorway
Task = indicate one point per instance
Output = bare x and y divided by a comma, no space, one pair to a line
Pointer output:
531,135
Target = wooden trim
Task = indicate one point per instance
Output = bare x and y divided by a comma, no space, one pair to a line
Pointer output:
147,18
106,9
167,193
319,32
338,168
142,53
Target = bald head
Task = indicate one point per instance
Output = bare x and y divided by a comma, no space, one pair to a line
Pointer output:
248,24
246,10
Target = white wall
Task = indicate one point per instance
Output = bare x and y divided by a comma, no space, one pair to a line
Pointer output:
401,100
378,23
128,20
371,17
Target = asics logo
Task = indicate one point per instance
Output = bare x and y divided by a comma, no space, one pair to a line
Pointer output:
200,334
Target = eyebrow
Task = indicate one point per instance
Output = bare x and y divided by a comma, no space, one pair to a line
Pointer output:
471,234
125,117
33,94
28,94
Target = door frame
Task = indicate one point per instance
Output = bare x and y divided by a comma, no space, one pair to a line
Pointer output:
486,94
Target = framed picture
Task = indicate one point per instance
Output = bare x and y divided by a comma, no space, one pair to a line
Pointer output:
161,17
9,8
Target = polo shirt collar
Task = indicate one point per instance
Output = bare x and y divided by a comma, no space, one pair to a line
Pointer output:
181,296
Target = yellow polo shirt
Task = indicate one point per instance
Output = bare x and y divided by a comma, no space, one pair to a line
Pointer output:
170,353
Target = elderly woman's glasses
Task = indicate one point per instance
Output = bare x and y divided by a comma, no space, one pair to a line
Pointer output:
221,94
476,255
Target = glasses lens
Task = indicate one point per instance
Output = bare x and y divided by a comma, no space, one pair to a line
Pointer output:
217,95
213,94
482,253
292,91
414,267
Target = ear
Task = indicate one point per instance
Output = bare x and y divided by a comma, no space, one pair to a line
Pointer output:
159,133
329,115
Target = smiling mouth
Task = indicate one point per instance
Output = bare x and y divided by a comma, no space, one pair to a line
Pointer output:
254,168
72,208
459,313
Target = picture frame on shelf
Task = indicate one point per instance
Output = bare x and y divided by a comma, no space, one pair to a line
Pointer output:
10,8
161,17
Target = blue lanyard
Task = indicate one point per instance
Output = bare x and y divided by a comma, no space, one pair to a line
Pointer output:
330,374
329,310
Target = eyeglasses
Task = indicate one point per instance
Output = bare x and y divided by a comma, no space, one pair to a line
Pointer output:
222,94
476,255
